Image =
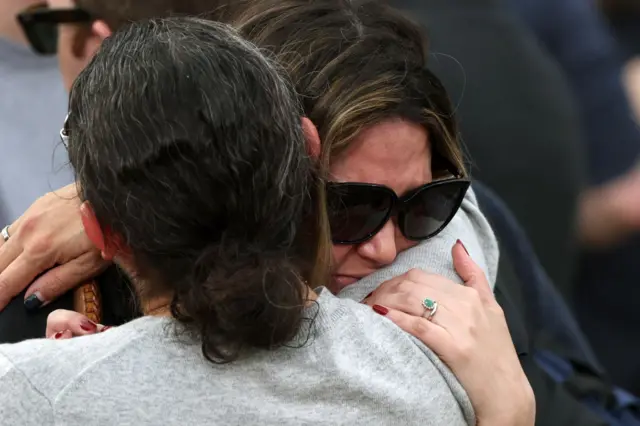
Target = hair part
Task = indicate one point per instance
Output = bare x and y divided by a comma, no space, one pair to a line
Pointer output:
187,142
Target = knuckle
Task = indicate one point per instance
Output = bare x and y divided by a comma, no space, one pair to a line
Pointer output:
56,316
40,247
28,225
6,289
462,353
407,300
497,310
472,329
405,286
472,295
416,275
420,327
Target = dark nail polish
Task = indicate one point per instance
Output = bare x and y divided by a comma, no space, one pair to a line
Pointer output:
57,335
87,325
465,249
380,310
32,302
368,295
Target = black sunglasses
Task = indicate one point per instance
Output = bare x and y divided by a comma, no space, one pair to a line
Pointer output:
358,211
40,25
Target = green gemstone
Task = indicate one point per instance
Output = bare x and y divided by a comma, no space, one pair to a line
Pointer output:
429,304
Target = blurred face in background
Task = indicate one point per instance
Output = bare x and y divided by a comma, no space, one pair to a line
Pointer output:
77,43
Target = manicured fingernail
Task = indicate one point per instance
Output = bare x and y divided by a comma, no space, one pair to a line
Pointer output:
368,295
88,325
465,249
380,310
57,335
33,302
105,329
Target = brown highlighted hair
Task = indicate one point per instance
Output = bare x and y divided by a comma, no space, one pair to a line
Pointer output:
354,63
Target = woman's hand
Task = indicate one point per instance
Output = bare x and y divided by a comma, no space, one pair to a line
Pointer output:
468,331
63,324
49,238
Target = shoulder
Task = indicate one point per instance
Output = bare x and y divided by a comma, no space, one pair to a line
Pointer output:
20,401
51,365
387,346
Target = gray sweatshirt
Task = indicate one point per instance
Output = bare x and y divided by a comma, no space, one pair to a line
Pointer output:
357,368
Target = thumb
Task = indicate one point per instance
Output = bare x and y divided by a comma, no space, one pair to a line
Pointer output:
472,275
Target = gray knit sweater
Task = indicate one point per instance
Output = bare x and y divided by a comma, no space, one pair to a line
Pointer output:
356,367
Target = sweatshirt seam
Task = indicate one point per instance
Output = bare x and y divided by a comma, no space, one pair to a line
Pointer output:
33,387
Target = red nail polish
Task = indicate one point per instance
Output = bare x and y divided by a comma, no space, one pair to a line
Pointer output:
88,325
105,328
380,310
465,249
368,295
57,335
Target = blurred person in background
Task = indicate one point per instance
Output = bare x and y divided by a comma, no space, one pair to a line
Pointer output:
32,103
517,118
531,113
576,34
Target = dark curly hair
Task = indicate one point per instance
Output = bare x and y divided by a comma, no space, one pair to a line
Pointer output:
187,143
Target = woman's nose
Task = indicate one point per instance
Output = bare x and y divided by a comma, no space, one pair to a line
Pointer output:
382,248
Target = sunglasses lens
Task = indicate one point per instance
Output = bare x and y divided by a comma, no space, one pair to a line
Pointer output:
43,37
431,209
356,211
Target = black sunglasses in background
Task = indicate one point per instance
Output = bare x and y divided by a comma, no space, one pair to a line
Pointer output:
40,25
358,211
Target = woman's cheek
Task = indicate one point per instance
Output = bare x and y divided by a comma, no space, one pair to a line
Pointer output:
340,253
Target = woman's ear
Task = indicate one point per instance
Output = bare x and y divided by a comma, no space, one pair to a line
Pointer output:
104,240
92,227
312,137
93,40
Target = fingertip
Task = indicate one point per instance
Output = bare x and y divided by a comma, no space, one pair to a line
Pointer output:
33,301
461,244
381,310
61,335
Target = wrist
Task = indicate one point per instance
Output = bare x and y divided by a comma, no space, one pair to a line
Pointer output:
520,412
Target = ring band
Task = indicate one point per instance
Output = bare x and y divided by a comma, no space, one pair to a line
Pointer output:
5,233
430,308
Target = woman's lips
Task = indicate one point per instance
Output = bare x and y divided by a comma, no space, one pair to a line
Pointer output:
342,281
